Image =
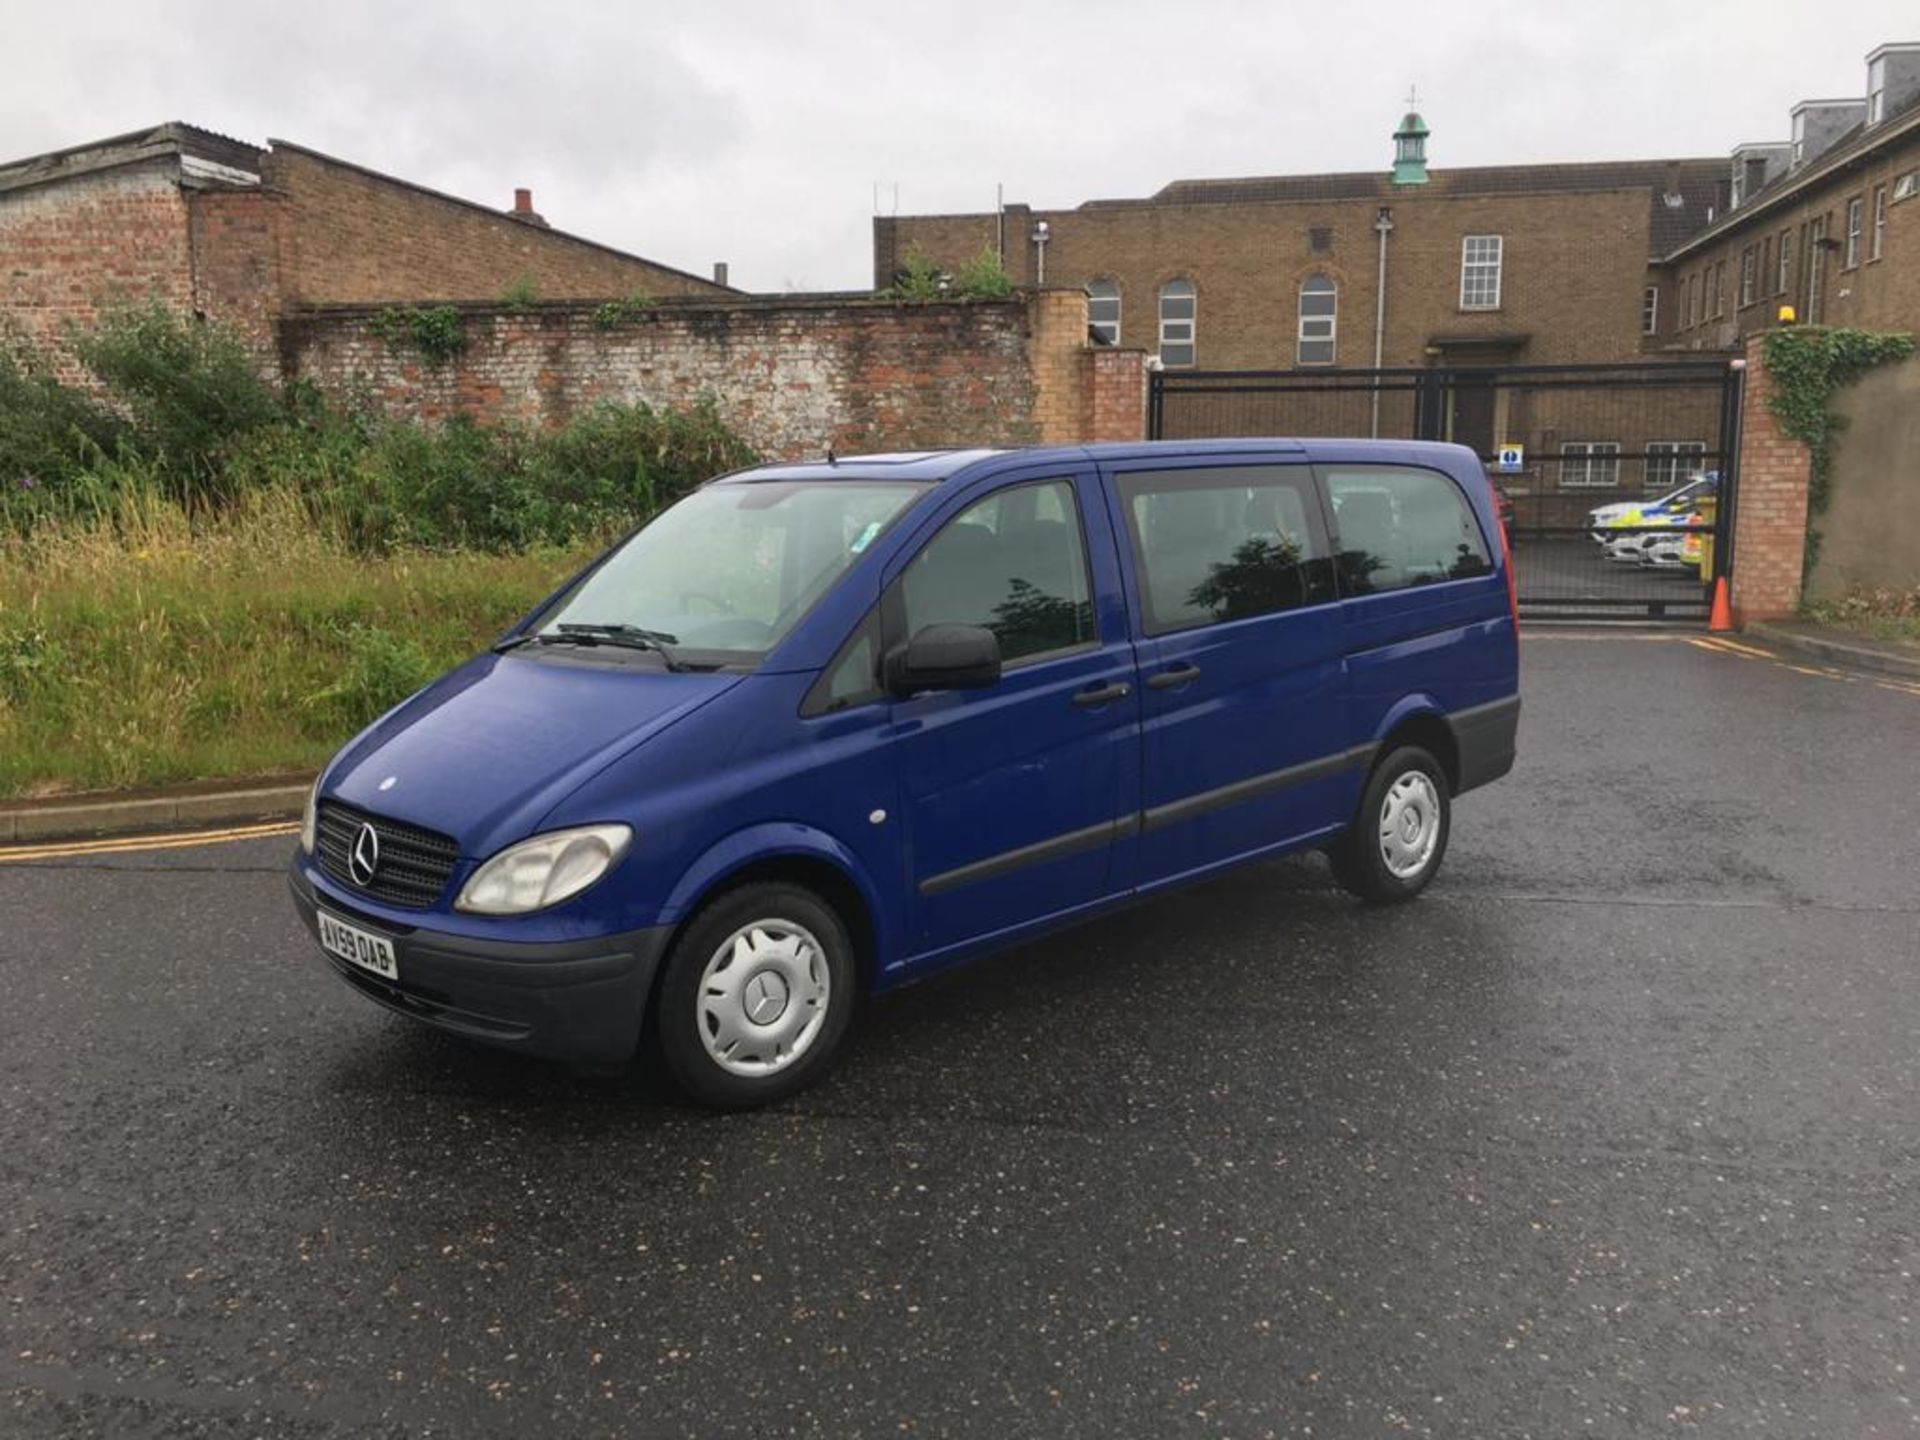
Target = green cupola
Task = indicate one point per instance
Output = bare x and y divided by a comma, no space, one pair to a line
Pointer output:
1410,149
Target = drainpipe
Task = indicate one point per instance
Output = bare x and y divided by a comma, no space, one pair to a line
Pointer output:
1383,227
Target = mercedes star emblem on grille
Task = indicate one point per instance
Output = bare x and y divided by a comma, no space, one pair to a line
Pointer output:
365,859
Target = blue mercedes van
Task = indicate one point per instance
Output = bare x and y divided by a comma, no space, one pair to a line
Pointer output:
820,729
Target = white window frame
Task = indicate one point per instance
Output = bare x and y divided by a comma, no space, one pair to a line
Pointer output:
1667,459
1799,140
1783,282
1317,329
1170,329
1650,310
1878,247
1590,465
1856,227
1749,269
1877,91
1482,259
1719,288
1109,330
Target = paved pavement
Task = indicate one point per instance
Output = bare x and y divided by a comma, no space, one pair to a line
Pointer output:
1611,1134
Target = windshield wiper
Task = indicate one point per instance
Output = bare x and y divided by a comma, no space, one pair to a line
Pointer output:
628,637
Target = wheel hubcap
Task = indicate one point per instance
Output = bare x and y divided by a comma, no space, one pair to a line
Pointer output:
763,997
1409,825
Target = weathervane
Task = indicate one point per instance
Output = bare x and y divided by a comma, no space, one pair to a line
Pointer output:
1413,97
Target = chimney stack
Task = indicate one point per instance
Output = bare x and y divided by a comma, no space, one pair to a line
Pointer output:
720,272
523,210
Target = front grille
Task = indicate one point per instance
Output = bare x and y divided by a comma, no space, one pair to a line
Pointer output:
414,863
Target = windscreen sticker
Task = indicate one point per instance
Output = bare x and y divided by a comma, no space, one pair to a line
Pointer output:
865,537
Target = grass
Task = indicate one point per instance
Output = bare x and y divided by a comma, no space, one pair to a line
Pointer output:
144,647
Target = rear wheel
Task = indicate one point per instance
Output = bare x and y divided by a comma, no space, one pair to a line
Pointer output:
757,994
1398,837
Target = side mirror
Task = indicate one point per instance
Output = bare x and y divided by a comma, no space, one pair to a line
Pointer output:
945,657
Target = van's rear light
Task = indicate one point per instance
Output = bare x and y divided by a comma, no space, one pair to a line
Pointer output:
1506,563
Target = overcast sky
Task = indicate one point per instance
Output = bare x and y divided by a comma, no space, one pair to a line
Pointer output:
756,132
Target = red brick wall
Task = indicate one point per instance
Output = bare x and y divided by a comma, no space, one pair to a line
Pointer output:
1770,515
794,375
355,237
235,236
66,248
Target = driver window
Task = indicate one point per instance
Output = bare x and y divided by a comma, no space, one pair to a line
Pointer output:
1014,563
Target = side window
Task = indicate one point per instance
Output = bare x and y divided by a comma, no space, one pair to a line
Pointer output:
1177,321
1399,527
1225,543
852,677
1015,563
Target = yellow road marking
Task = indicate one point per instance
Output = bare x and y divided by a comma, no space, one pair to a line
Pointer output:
1718,649
1725,643
138,844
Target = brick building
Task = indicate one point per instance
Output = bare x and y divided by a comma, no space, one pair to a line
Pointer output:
1539,264
249,234
1826,224
1608,263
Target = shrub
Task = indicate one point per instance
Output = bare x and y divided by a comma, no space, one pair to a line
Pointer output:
49,432
191,391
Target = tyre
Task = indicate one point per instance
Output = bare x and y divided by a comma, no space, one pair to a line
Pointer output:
756,997
1399,833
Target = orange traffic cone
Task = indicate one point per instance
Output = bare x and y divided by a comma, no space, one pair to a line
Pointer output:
1722,616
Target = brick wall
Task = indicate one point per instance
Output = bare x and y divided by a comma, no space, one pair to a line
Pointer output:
1870,533
1770,514
793,374
1574,266
235,238
65,248
357,237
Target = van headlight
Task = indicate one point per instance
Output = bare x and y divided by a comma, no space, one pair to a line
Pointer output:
308,818
543,871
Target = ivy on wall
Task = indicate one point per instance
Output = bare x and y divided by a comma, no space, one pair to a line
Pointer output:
1807,368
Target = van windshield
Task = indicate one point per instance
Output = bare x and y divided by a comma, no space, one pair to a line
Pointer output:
732,567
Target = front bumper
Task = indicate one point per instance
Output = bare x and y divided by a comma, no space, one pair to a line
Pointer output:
581,1001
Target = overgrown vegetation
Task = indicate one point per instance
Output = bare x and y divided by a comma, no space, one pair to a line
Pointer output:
610,314
437,332
1806,368
202,576
920,278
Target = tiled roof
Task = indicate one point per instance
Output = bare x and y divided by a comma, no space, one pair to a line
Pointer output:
1697,182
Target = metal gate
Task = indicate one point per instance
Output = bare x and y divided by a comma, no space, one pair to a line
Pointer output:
1581,455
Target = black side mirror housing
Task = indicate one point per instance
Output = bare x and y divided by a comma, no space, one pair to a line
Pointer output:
944,657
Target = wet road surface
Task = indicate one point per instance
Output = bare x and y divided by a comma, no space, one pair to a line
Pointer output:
1613,1133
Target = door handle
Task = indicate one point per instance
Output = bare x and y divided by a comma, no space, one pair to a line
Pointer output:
1105,695
1169,679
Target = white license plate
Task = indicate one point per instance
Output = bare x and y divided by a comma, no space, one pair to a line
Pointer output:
357,947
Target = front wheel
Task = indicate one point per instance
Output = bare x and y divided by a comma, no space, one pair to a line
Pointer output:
1398,837
757,994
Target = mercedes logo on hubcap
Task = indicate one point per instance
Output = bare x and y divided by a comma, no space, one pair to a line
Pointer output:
364,859
766,998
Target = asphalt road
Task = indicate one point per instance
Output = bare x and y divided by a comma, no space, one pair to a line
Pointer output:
1613,1133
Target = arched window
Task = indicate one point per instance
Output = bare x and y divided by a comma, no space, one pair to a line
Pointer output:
1103,310
1319,306
1176,323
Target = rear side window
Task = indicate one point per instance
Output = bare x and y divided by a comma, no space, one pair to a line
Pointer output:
1398,526
1225,543
1014,563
